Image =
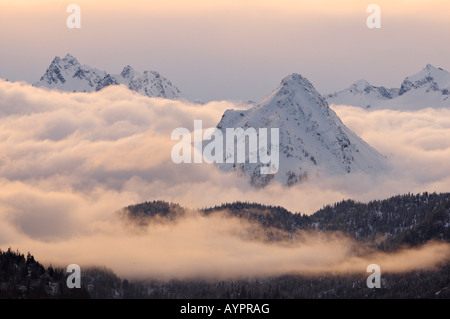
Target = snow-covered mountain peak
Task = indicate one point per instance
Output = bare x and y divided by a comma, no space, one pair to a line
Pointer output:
432,68
429,71
67,74
361,84
65,62
70,59
151,83
430,87
431,78
295,94
312,139
295,83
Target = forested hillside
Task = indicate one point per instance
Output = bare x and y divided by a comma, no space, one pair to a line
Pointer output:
407,220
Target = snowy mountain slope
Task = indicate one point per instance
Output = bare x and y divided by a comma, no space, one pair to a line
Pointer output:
67,74
428,88
313,140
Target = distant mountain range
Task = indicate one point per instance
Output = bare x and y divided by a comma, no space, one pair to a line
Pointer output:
67,74
428,88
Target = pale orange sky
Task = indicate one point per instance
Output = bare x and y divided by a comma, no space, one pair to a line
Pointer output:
230,49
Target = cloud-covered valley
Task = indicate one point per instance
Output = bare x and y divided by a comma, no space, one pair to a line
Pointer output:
69,161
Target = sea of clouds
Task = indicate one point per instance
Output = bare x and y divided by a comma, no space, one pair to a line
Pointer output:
70,161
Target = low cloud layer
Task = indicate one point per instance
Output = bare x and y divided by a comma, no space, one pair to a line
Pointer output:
214,248
69,161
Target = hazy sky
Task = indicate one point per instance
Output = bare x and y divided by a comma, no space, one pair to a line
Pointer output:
230,49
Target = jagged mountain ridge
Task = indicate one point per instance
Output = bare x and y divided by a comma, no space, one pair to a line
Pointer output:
67,74
428,88
313,140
